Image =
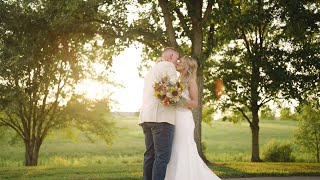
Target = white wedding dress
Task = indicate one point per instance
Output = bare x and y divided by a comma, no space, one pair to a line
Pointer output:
185,162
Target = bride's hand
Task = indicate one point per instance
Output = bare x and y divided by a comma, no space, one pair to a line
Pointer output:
159,59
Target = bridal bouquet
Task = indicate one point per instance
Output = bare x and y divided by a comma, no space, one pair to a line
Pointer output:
169,92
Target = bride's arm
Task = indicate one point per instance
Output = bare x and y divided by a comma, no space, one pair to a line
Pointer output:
193,92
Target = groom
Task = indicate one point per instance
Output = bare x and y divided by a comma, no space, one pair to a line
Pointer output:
156,120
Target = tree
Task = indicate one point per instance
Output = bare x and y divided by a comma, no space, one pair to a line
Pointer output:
178,24
207,114
285,113
91,116
47,47
308,132
266,113
265,58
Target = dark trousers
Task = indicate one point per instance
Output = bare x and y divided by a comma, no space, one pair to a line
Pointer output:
158,140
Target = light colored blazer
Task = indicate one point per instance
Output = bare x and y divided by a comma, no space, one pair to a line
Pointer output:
152,110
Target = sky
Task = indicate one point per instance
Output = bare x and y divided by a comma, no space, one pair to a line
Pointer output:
125,67
125,72
129,98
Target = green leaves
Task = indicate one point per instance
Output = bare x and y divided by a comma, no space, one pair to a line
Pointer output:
259,48
90,116
308,133
43,56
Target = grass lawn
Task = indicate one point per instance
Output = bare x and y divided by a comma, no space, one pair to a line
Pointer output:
133,171
79,158
228,142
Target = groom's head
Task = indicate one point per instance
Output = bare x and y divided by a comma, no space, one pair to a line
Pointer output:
171,54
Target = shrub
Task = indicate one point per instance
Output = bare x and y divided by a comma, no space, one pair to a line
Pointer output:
275,151
308,132
207,114
266,113
285,114
204,146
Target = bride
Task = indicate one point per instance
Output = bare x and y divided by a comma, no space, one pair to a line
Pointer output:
185,162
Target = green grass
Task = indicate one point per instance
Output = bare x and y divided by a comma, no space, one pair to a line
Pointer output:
79,158
133,171
107,171
226,142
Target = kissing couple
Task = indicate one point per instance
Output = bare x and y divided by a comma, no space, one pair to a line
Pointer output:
171,152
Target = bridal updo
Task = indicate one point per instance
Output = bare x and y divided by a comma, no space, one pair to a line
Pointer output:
190,71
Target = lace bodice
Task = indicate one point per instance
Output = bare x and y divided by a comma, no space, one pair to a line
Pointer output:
185,93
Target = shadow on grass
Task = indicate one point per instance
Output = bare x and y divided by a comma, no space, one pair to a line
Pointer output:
238,170
133,171
227,172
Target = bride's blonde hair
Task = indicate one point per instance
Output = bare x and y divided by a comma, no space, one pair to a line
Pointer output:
191,66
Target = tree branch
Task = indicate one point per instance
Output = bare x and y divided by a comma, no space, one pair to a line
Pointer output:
21,115
247,44
150,35
207,13
264,101
244,114
13,125
53,109
210,42
164,4
183,22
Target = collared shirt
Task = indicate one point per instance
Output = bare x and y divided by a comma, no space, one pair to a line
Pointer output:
152,110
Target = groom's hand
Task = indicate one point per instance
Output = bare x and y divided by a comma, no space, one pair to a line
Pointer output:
188,104
181,102
184,103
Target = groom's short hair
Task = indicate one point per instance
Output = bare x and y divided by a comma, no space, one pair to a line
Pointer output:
170,49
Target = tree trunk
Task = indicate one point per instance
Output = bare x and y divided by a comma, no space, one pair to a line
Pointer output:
32,154
195,11
197,53
254,126
168,17
255,77
255,143
197,114
318,154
